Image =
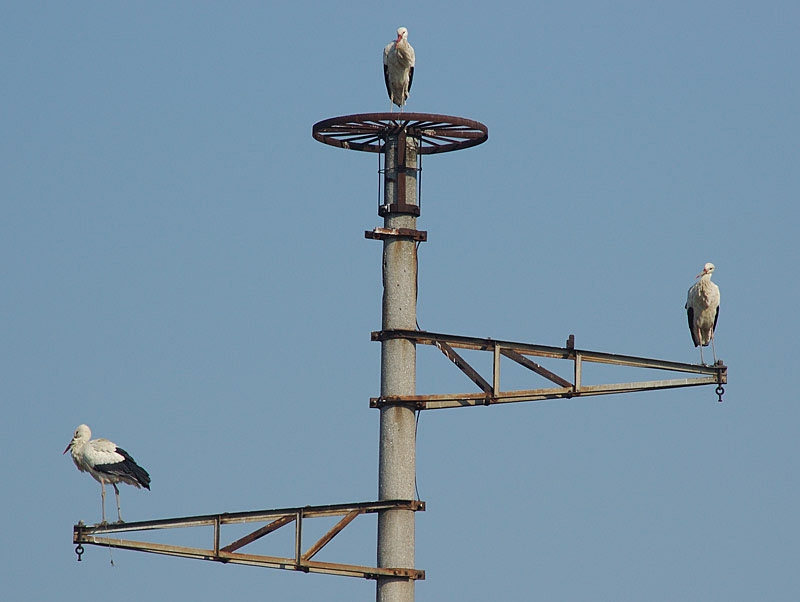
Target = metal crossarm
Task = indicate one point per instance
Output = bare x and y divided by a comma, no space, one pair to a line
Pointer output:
716,374
97,535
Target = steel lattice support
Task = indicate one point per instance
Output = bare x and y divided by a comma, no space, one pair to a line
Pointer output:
492,392
275,519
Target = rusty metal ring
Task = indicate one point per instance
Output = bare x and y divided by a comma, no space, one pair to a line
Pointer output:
720,391
79,551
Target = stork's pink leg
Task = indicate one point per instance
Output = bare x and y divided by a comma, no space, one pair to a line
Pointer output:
713,350
119,512
103,497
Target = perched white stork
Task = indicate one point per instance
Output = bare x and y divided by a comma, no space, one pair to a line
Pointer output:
107,463
702,309
398,68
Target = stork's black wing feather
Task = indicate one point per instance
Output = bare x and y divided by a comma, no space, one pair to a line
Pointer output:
410,77
127,470
716,317
690,315
386,80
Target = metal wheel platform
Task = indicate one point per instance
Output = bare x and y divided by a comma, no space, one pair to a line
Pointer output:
368,131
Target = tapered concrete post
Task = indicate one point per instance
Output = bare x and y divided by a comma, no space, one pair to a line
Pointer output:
397,461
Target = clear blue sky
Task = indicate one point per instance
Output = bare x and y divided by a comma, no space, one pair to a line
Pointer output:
184,269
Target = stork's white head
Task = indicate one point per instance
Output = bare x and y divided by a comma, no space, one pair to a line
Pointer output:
82,433
707,269
402,34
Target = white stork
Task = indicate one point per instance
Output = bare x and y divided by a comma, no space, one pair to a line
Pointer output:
398,68
107,463
702,309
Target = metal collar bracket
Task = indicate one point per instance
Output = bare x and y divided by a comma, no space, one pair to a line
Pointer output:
405,208
384,233
379,402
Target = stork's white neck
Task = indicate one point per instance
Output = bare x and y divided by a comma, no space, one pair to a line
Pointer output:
403,49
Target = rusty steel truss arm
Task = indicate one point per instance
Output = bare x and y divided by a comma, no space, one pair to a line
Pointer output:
716,374
301,561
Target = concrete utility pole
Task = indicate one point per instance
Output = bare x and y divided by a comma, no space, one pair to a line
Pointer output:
397,461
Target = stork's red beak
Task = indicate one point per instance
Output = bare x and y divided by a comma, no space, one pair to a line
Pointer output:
66,450
397,41
700,274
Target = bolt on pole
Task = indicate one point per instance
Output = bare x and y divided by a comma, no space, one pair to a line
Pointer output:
397,460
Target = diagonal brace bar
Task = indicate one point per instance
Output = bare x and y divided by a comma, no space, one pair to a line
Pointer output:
464,367
330,535
258,533
531,365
